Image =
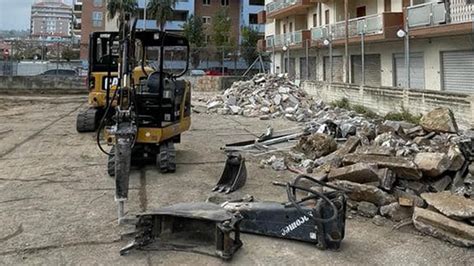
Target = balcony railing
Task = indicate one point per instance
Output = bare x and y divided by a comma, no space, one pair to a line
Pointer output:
278,5
428,14
270,41
288,39
367,25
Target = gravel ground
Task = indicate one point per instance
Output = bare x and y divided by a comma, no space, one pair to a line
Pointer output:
57,207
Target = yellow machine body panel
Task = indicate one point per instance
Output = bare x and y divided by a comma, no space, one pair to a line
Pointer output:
97,94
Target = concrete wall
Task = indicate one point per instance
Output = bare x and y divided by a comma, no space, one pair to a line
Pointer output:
383,100
32,84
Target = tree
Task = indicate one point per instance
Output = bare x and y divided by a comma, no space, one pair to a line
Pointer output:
250,38
161,11
221,28
193,30
120,8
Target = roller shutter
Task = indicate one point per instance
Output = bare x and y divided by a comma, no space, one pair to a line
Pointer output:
417,71
337,68
458,71
372,69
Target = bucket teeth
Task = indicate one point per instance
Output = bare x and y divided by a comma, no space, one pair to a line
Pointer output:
234,175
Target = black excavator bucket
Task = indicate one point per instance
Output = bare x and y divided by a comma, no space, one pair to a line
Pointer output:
234,175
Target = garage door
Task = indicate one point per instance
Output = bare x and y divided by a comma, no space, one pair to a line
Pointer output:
417,71
337,69
372,69
458,71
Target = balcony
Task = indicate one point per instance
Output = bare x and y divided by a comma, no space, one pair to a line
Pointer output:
260,28
435,19
293,39
283,8
374,27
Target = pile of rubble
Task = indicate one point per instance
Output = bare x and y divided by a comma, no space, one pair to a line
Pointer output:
265,96
397,170
394,170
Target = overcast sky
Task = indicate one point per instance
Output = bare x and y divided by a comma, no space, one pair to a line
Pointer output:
15,14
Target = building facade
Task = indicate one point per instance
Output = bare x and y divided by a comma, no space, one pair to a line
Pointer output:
249,10
93,18
306,38
77,20
51,19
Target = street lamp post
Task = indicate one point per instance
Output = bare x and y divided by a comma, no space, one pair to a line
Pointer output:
287,63
328,42
404,34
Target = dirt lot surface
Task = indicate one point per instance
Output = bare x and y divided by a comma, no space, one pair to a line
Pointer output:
57,202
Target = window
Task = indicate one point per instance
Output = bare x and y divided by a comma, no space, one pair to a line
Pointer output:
253,18
98,3
206,2
97,19
206,20
326,16
225,2
257,2
315,20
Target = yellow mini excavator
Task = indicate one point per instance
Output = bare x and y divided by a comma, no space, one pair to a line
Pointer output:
148,109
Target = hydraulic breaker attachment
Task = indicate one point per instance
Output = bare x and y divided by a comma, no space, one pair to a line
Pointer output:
318,218
203,228
124,136
234,175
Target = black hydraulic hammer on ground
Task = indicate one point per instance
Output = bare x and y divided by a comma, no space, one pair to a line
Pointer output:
318,217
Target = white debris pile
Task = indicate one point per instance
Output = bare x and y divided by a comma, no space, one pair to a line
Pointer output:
265,96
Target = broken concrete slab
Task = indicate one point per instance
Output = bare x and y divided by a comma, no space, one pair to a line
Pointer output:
416,186
404,168
359,173
367,209
405,202
432,164
374,150
361,192
417,200
456,158
386,178
441,184
316,145
451,205
442,227
440,120
396,212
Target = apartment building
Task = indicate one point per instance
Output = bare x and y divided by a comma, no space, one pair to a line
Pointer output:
306,38
51,19
77,20
93,18
249,10
182,10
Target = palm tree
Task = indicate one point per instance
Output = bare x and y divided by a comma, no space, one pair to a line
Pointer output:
161,11
121,7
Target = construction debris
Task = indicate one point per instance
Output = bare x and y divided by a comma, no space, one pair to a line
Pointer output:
266,96
440,226
453,206
439,120
388,168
